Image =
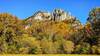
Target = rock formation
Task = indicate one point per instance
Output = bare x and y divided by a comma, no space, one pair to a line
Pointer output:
57,15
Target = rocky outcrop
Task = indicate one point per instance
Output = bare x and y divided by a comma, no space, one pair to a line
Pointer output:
56,15
59,15
42,16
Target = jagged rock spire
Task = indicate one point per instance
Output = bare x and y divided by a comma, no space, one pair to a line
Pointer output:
59,15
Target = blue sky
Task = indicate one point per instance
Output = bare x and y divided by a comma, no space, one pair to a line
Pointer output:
26,8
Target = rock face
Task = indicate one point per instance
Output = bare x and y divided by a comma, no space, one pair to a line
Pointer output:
56,15
59,15
42,16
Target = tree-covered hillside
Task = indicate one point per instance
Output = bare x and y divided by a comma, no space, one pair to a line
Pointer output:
50,33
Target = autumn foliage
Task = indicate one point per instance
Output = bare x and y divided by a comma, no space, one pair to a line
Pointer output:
50,37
